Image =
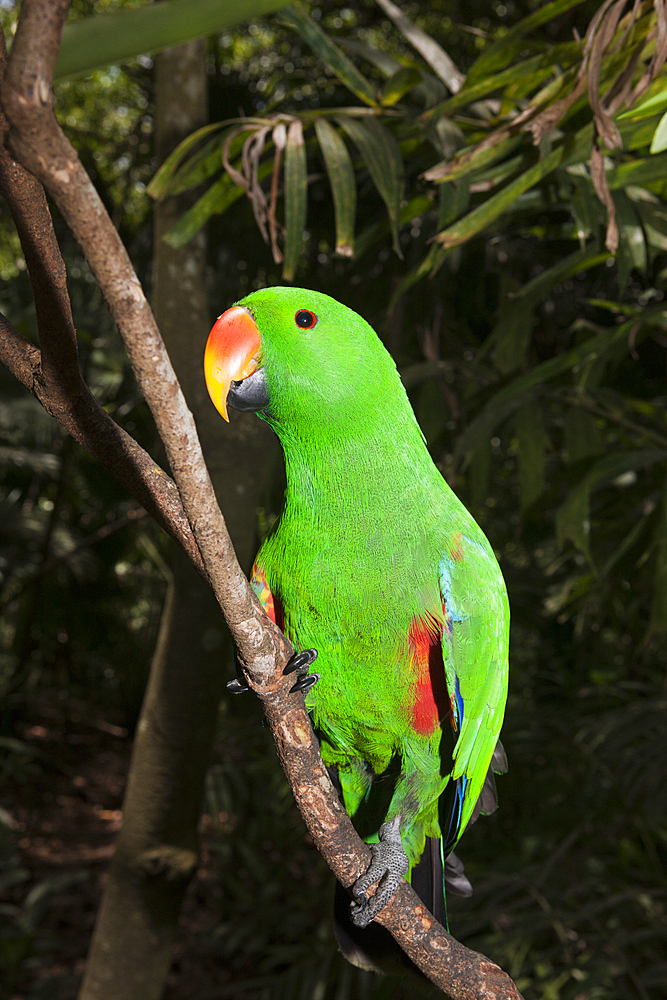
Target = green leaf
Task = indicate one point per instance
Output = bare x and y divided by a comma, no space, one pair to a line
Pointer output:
536,69
631,253
573,516
570,151
513,333
399,84
296,192
601,347
639,172
654,100
432,53
103,39
611,467
638,133
495,175
343,184
533,443
573,519
624,546
501,53
654,219
330,54
454,199
491,208
162,182
382,155
202,165
575,263
217,199
376,57
586,207
583,438
659,141
472,159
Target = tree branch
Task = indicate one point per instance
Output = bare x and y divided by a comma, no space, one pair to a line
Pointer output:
38,142
52,375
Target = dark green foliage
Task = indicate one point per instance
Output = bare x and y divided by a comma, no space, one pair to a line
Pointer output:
537,365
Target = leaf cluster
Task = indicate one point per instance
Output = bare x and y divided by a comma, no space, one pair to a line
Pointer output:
536,361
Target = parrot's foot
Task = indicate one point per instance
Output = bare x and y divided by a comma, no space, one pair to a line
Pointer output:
298,664
389,865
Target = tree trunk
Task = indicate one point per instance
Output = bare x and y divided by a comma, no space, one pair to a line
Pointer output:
157,850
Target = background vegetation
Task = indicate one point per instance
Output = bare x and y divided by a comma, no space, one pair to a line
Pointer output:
536,362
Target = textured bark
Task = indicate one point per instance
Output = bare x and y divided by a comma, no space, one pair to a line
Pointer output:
52,374
39,143
36,139
157,848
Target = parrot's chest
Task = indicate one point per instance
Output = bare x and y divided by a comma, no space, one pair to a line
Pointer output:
355,605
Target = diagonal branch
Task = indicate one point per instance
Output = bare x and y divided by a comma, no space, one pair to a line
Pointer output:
37,141
53,375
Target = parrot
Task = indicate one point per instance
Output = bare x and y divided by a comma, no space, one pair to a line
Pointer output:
376,570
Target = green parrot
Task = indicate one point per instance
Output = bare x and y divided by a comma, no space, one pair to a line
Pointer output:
376,569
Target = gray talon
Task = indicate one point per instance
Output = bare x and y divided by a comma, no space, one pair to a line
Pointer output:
388,866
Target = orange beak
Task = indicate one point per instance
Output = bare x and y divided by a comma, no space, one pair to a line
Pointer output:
232,354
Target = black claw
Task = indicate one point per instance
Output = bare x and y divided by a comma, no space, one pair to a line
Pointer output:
305,683
237,686
300,661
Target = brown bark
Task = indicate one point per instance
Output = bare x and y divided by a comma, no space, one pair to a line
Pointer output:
157,848
38,142
53,375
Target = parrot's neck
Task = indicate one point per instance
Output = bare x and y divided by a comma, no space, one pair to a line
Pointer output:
371,464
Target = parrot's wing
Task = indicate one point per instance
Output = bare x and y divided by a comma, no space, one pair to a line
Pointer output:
474,647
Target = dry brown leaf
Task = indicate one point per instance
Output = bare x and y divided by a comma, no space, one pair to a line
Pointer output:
617,94
659,55
250,157
279,141
263,209
235,175
601,185
548,120
605,126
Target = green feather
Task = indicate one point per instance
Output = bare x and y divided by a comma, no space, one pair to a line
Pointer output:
370,545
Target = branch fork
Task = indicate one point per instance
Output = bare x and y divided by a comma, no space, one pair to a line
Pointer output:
38,143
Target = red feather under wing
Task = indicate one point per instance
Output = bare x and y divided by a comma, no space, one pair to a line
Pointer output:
272,605
432,702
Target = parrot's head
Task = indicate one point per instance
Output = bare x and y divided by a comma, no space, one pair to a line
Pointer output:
298,357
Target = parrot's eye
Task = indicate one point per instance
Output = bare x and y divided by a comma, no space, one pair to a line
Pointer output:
305,319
